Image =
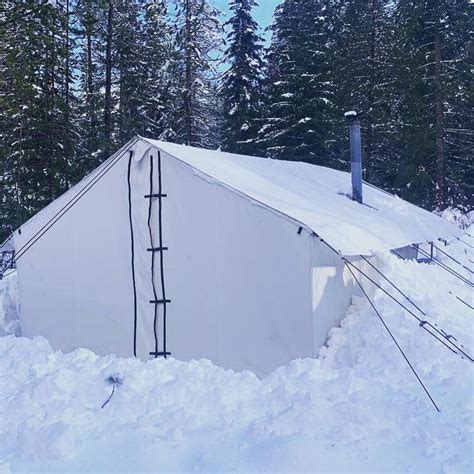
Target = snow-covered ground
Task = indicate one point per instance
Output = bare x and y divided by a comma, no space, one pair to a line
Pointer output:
9,305
357,408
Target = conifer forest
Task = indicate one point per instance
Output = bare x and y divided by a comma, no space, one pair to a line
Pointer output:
79,78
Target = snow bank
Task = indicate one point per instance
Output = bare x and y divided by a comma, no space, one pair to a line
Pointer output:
357,408
457,217
9,305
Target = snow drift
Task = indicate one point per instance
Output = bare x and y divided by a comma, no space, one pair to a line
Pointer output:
9,305
357,408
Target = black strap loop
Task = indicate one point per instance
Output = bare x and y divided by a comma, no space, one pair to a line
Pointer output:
132,252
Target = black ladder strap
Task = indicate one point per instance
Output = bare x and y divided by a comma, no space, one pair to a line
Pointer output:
149,196
150,232
162,269
132,245
160,249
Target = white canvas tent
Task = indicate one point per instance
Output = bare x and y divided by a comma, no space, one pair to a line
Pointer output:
247,251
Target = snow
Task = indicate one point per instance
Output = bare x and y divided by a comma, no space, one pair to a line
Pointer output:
317,198
357,408
460,219
351,113
9,305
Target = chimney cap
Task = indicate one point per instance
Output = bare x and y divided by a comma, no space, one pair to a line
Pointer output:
351,114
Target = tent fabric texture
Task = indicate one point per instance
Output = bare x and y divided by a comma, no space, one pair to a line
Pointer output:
204,254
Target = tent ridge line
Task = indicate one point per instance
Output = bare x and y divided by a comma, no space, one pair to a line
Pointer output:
278,212
235,190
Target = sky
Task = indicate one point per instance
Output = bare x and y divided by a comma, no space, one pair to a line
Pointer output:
263,13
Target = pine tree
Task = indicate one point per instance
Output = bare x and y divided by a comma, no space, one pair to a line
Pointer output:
215,125
198,39
242,83
87,29
128,69
111,63
365,81
108,63
36,106
80,77
159,85
433,110
7,202
300,123
455,101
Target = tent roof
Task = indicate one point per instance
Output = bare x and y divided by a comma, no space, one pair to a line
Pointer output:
317,198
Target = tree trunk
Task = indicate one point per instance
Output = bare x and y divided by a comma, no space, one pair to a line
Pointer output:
371,90
89,80
89,71
188,99
68,153
441,192
50,113
108,80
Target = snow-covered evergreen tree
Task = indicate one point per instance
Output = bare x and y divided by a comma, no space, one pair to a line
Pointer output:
95,22
365,81
199,37
129,77
300,116
128,68
37,133
159,85
435,96
88,26
242,82
7,202
80,77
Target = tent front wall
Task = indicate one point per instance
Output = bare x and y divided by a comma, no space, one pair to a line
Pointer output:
237,275
74,282
247,289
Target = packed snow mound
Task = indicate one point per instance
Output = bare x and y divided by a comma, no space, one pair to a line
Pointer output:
458,218
357,408
9,305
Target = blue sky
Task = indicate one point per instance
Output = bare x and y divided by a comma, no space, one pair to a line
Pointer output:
263,13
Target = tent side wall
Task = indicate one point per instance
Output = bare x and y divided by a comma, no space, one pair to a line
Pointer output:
333,289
